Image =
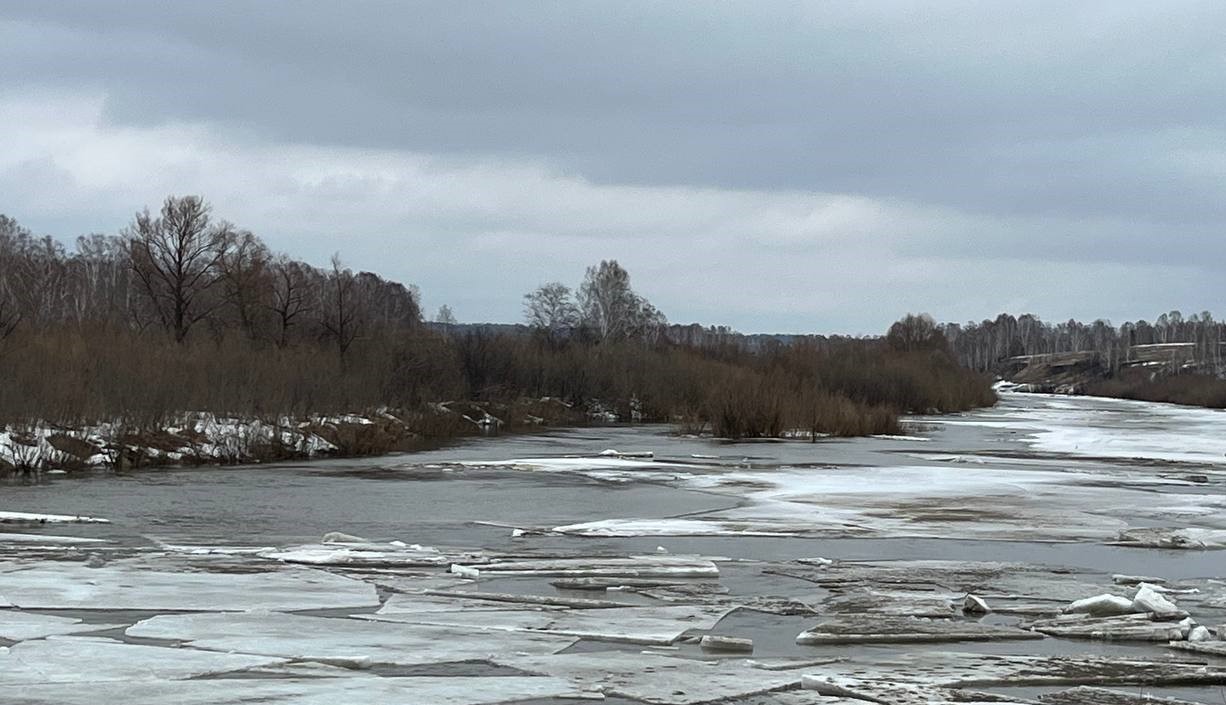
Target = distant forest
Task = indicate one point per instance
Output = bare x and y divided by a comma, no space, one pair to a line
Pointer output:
1175,359
184,312
984,346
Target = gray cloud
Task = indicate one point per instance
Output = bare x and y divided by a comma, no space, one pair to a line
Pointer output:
940,144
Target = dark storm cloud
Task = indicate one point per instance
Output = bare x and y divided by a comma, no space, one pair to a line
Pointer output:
1048,131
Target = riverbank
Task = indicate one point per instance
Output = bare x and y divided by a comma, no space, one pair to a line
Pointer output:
209,439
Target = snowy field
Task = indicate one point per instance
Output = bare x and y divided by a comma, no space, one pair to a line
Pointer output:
1039,551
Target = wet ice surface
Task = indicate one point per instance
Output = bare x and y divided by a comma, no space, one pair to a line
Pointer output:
578,575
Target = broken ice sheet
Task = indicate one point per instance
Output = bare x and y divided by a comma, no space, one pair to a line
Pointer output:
413,690
384,556
413,604
1085,695
627,528
133,585
1130,627
15,538
981,670
656,679
633,625
16,625
341,641
33,518
873,629
79,660
630,567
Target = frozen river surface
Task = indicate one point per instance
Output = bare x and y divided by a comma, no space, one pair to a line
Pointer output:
541,569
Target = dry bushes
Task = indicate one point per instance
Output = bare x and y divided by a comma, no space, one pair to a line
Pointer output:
74,375
1189,389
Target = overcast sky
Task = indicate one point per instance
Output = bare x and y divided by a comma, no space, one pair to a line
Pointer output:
773,166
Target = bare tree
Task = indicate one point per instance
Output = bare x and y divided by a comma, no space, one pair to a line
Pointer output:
609,306
177,258
551,307
291,297
10,314
341,311
100,282
247,279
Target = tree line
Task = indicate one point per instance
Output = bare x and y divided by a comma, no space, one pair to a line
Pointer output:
986,345
182,272
186,312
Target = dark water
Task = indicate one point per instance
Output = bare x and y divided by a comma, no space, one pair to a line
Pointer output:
427,498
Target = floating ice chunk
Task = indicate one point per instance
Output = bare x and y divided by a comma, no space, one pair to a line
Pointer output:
411,690
1119,579
974,604
1166,590
6,537
524,599
214,550
1184,538
342,554
726,643
1101,606
16,625
93,660
626,528
1129,627
1200,633
898,630
892,603
1149,600
340,537
28,518
125,585
632,625
415,603
341,641
633,566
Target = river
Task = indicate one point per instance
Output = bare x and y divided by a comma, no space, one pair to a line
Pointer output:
1037,480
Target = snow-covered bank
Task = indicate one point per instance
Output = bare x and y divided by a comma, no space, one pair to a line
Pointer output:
201,438
192,439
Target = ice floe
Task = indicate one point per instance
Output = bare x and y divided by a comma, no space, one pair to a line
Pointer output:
631,567
16,625
355,643
15,538
411,690
657,679
1129,627
367,555
899,630
622,528
86,660
632,625
7,517
134,585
